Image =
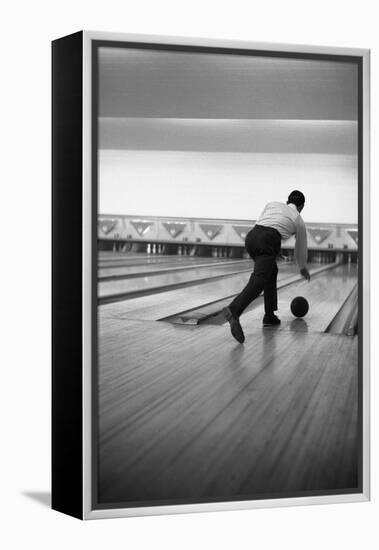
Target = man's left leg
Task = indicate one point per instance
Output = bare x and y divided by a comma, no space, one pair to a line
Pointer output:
271,299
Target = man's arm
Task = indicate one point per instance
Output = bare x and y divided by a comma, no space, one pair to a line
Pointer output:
301,247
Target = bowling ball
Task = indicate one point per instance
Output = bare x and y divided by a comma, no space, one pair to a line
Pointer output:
299,306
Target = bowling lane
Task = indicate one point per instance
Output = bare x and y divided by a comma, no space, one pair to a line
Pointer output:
147,284
170,302
111,255
325,293
127,288
143,256
133,271
147,259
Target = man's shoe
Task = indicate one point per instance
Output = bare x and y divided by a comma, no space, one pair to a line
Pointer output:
270,320
235,326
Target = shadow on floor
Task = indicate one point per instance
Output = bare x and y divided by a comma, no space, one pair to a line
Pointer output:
42,497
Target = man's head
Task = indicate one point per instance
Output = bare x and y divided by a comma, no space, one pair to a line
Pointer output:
297,198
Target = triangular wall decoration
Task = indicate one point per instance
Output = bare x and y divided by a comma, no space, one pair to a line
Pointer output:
141,226
174,228
242,230
211,230
318,235
107,225
354,235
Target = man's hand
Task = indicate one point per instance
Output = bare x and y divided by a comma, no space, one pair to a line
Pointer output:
305,273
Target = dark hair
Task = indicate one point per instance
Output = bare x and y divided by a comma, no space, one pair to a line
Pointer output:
297,198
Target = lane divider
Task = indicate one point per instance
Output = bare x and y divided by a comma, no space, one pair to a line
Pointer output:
346,319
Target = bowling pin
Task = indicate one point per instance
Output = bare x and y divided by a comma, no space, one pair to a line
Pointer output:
148,248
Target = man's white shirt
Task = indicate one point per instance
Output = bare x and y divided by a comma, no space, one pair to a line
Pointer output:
286,219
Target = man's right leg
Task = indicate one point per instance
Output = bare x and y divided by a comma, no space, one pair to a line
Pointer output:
263,268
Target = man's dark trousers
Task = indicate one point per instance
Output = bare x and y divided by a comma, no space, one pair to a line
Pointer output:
263,245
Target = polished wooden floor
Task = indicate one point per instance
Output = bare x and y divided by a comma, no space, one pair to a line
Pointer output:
188,414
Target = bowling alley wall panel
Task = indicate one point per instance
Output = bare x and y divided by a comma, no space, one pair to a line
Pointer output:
215,232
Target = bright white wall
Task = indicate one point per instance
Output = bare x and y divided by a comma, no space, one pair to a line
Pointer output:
25,350
226,185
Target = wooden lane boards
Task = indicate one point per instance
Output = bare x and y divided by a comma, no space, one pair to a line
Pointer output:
125,289
150,270
209,418
114,291
211,313
170,302
325,294
149,260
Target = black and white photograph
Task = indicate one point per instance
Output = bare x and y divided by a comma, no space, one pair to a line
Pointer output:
228,274
190,303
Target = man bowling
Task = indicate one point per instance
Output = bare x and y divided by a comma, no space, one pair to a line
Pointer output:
278,221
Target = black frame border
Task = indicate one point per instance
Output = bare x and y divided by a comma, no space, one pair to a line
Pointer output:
67,270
